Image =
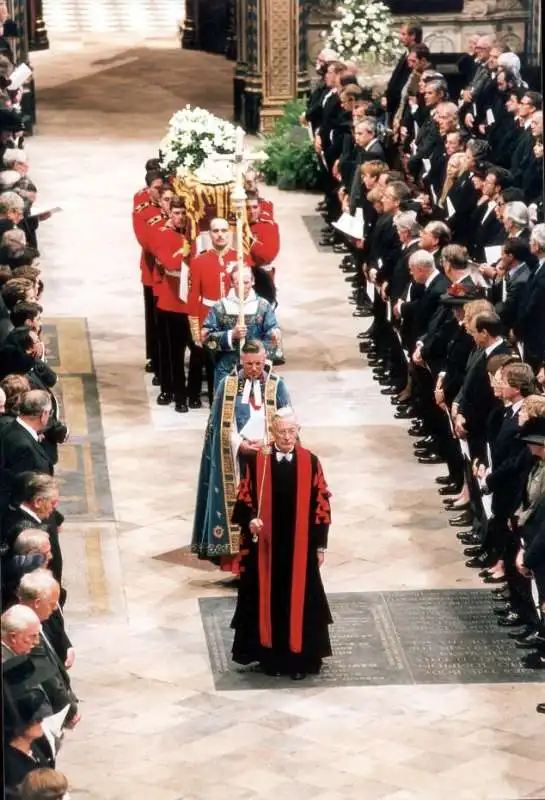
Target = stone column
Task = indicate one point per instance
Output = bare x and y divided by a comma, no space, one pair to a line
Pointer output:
283,56
274,32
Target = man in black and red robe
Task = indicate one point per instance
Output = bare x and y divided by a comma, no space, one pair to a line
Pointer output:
282,614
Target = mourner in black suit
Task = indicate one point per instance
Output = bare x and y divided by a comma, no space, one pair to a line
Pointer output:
530,324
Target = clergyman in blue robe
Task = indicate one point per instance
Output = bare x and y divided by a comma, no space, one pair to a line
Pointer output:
239,424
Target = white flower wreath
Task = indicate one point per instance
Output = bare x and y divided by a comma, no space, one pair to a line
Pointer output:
365,31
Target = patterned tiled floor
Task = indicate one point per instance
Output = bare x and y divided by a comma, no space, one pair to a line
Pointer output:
153,725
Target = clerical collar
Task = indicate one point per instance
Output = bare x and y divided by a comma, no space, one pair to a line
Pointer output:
233,295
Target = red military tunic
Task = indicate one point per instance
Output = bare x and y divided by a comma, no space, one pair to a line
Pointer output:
141,196
266,241
151,276
171,250
142,214
209,281
266,208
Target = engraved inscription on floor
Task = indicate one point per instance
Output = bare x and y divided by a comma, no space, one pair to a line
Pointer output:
388,638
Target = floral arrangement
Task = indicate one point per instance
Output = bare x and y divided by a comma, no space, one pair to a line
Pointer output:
195,137
365,31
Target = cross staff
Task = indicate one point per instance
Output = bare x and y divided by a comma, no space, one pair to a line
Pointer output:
238,199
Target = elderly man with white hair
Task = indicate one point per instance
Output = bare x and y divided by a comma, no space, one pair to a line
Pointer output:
282,614
16,159
516,220
416,309
530,325
20,631
31,550
40,592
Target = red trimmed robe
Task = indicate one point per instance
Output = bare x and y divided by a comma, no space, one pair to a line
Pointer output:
282,614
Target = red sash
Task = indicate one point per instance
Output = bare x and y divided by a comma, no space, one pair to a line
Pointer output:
300,551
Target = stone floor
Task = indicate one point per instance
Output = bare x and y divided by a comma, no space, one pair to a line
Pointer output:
153,725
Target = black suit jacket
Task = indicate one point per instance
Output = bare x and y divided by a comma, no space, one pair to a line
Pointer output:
459,348
401,277
16,519
463,197
485,233
530,324
521,156
20,452
421,310
314,106
397,81
385,247
476,398
505,479
509,309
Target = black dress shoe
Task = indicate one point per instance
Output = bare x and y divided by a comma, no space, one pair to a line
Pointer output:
164,399
181,408
475,550
417,429
405,412
533,661
529,643
149,366
503,611
444,480
389,391
195,403
540,708
340,248
155,381
511,620
428,441
431,459
495,579
483,562
327,242
519,636
461,521
424,452
468,538
451,488
362,312
501,593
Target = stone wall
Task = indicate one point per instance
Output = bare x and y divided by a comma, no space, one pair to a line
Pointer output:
446,33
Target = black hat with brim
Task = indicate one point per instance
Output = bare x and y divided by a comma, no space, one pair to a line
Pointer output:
533,431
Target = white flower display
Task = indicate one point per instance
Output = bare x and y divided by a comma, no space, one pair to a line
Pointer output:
364,31
194,138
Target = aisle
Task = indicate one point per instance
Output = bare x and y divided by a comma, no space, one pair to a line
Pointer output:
153,723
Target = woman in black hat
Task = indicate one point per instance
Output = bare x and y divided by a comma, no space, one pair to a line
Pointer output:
22,730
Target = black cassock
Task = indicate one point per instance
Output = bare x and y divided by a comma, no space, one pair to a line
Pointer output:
297,598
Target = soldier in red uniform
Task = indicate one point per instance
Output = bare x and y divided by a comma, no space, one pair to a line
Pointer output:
171,249
150,277
265,236
142,195
209,281
142,213
251,187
